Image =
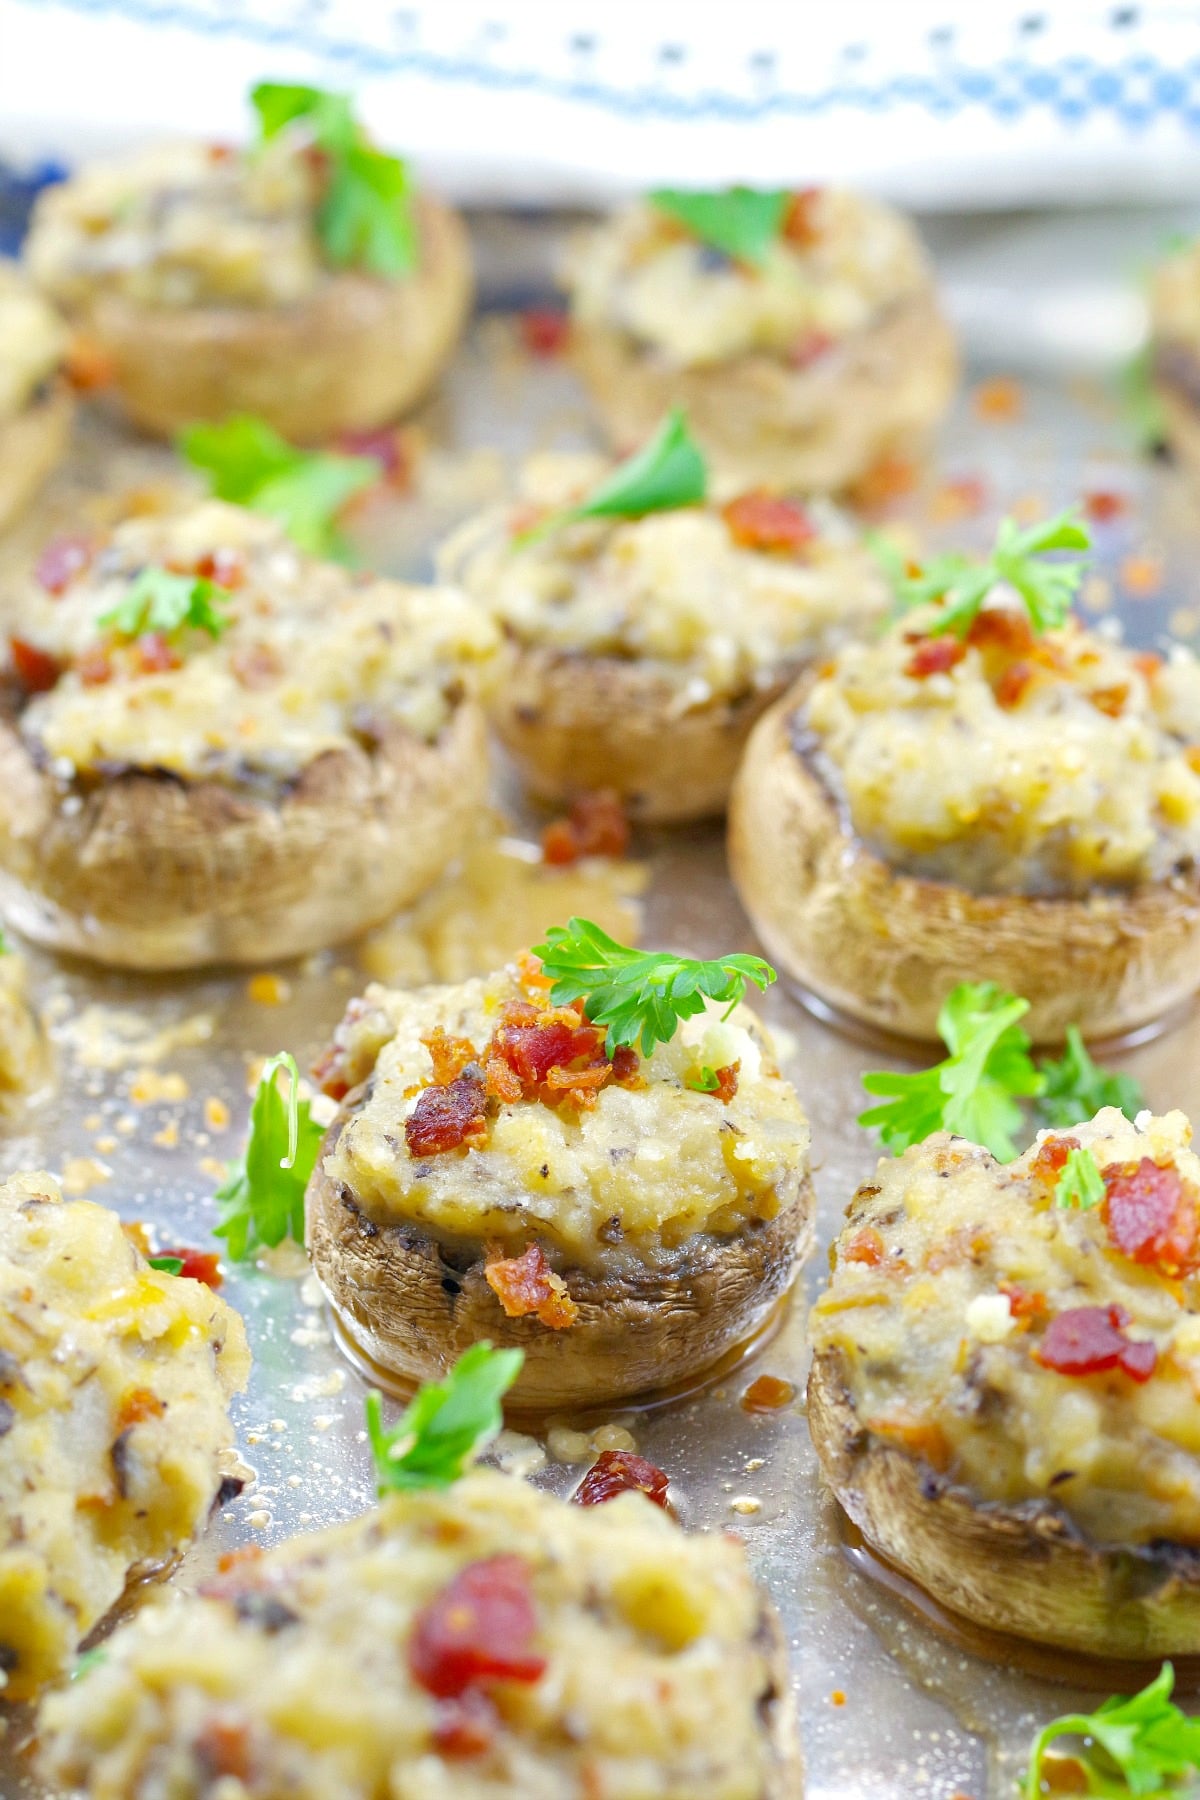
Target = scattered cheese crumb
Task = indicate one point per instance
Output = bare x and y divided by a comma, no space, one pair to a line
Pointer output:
268,990
745,1504
216,1114
81,1173
989,1318
168,1137
148,1086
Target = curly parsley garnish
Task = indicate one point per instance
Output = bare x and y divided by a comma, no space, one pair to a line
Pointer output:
960,586
1080,1184
642,996
1145,1745
976,1090
166,1265
251,465
666,473
262,1197
446,1424
160,600
365,219
741,222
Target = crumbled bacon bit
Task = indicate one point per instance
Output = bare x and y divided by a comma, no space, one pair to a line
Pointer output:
155,655
226,567
1050,1159
1022,1303
595,826
810,347
502,1081
1003,629
62,559
35,669
1151,1217
801,219
445,1118
255,666
221,153
1000,398
1090,1340
1111,701
197,1265
527,1284
935,656
535,1049
1102,505
545,331
626,1065
1147,663
223,1750
890,478
139,1405
727,1082
88,366
387,447
621,1472
465,1726
1012,684
768,1393
450,1056
479,1628
763,521
94,666
866,1246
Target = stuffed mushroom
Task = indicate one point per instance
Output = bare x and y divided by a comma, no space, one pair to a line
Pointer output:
800,331
1001,804
115,1382
36,404
1004,1383
219,750
448,1643
495,1172
298,279
642,649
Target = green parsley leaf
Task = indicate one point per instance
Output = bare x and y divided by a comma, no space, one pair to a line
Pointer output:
365,219
85,1663
166,1265
262,1197
742,222
666,473
1076,1088
5,946
1146,1744
975,1091
960,586
251,465
160,600
704,1083
1080,1183
641,995
446,1423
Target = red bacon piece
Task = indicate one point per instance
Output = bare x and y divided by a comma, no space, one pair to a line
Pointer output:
1151,1215
727,1082
478,1629
934,656
621,1472
226,567
465,1726
545,331
999,629
801,221
527,1284
155,655
595,826
625,1064
450,1056
762,521
1013,683
94,666
446,1117
1088,1340
35,669
62,559
198,1265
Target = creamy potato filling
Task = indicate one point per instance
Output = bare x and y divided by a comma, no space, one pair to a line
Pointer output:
948,1310
633,1170
293,1673
115,1382
687,589
33,340
313,659
1047,765
184,225
852,260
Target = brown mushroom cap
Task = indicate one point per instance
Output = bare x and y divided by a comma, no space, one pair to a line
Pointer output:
148,871
762,422
1024,1569
412,1305
887,948
31,447
356,354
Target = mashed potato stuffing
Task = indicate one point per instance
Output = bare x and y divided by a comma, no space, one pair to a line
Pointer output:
295,1674
115,1382
955,1314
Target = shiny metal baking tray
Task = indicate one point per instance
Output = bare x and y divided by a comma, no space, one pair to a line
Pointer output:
151,1095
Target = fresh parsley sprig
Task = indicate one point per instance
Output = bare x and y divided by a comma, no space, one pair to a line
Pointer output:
741,222
642,996
1080,1184
160,600
666,473
446,1424
365,218
960,586
976,1090
248,463
262,1197
166,1265
1145,1745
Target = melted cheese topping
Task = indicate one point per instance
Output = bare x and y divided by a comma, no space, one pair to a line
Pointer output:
325,1708
183,225
114,1386
940,1359
1084,780
314,659
641,273
672,588
33,340
636,1175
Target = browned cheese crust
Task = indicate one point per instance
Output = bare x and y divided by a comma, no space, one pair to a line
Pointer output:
887,948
